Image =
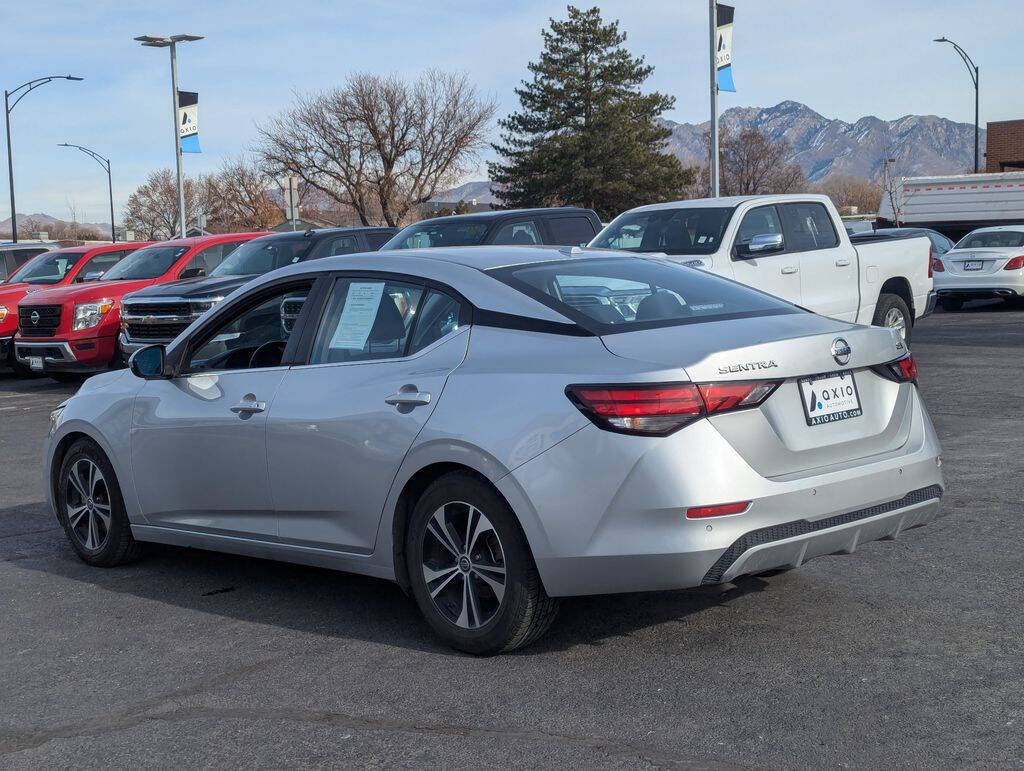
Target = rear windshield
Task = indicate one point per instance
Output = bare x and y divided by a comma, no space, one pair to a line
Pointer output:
46,268
993,239
622,294
261,256
151,262
429,234
697,230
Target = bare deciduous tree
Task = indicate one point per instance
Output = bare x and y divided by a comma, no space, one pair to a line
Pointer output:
852,192
236,198
751,164
152,210
380,145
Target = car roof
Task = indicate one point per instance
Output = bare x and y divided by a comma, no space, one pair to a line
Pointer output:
318,233
1019,227
495,214
192,241
730,202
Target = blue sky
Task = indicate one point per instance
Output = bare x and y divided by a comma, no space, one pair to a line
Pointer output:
844,60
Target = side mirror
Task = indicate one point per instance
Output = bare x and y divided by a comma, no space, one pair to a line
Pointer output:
764,243
94,275
192,273
148,363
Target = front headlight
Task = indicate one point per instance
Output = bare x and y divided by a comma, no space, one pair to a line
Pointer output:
55,417
3,312
88,315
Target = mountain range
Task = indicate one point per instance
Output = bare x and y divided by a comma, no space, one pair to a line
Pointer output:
49,224
822,147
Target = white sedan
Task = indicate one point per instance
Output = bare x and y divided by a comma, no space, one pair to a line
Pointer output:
986,263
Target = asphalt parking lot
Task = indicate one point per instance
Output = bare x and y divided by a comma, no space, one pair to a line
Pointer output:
907,653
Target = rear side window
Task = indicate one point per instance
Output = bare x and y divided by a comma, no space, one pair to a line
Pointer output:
437,317
808,226
366,319
523,233
377,240
332,246
571,231
623,294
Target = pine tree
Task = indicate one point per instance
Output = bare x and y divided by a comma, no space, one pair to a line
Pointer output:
585,134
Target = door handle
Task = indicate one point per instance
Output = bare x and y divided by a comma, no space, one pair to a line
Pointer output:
408,396
842,262
789,270
248,406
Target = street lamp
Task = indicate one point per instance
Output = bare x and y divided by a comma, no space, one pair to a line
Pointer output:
972,69
8,106
105,163
164,41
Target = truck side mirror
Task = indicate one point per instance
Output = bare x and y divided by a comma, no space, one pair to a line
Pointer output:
763,243
192,273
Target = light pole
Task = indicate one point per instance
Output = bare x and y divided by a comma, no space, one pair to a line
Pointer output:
972,69
8,106
105,163
164,41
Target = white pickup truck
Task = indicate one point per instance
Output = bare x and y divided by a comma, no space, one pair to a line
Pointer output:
791,246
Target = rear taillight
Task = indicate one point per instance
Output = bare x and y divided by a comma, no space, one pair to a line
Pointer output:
662,408
937,266
1015,263
721,510
931,261
901,371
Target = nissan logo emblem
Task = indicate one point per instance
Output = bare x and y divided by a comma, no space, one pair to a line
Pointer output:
34,317
841,350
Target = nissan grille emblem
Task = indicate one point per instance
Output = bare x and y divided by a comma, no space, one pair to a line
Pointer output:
841,351
34,317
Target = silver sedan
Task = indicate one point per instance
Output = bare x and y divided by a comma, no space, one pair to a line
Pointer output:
496,427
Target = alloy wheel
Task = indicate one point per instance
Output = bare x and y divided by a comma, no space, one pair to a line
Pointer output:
87,504
894,319
463,565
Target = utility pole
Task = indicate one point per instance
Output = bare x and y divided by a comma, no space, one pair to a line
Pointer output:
713,35
972,70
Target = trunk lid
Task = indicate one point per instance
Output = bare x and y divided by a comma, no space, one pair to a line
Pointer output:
990,260
775,438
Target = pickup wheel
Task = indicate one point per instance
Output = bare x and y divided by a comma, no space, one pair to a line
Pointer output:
893,313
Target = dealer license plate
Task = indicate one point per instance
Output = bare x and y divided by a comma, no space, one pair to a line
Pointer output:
830,397
974,265
35,363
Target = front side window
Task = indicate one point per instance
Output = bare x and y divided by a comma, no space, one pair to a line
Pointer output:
377,240
760,221
46,268
100,263
518,233
254,337
430,234
366,319
615,294
335,245
210,258
695,230
993,239
150,262
262,255
808,226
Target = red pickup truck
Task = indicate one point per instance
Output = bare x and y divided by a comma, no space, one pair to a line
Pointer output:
60,267
68,331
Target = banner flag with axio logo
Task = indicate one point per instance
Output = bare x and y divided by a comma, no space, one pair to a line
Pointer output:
723,47
188,121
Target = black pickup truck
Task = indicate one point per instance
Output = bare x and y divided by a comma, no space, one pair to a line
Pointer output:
561,226
160,313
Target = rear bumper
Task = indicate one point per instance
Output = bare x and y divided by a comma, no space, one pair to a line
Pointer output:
978,293
626,529
53,355
1002,283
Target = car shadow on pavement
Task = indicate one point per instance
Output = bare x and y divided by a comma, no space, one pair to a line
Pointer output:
327,602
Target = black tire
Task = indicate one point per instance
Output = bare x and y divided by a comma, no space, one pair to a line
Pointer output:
113,543
891,303
951,304
523,613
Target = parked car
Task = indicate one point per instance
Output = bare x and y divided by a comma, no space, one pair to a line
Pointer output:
59,267
940,244
14,255
562,226
159,313
792,246
68,331
986,263
477,426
